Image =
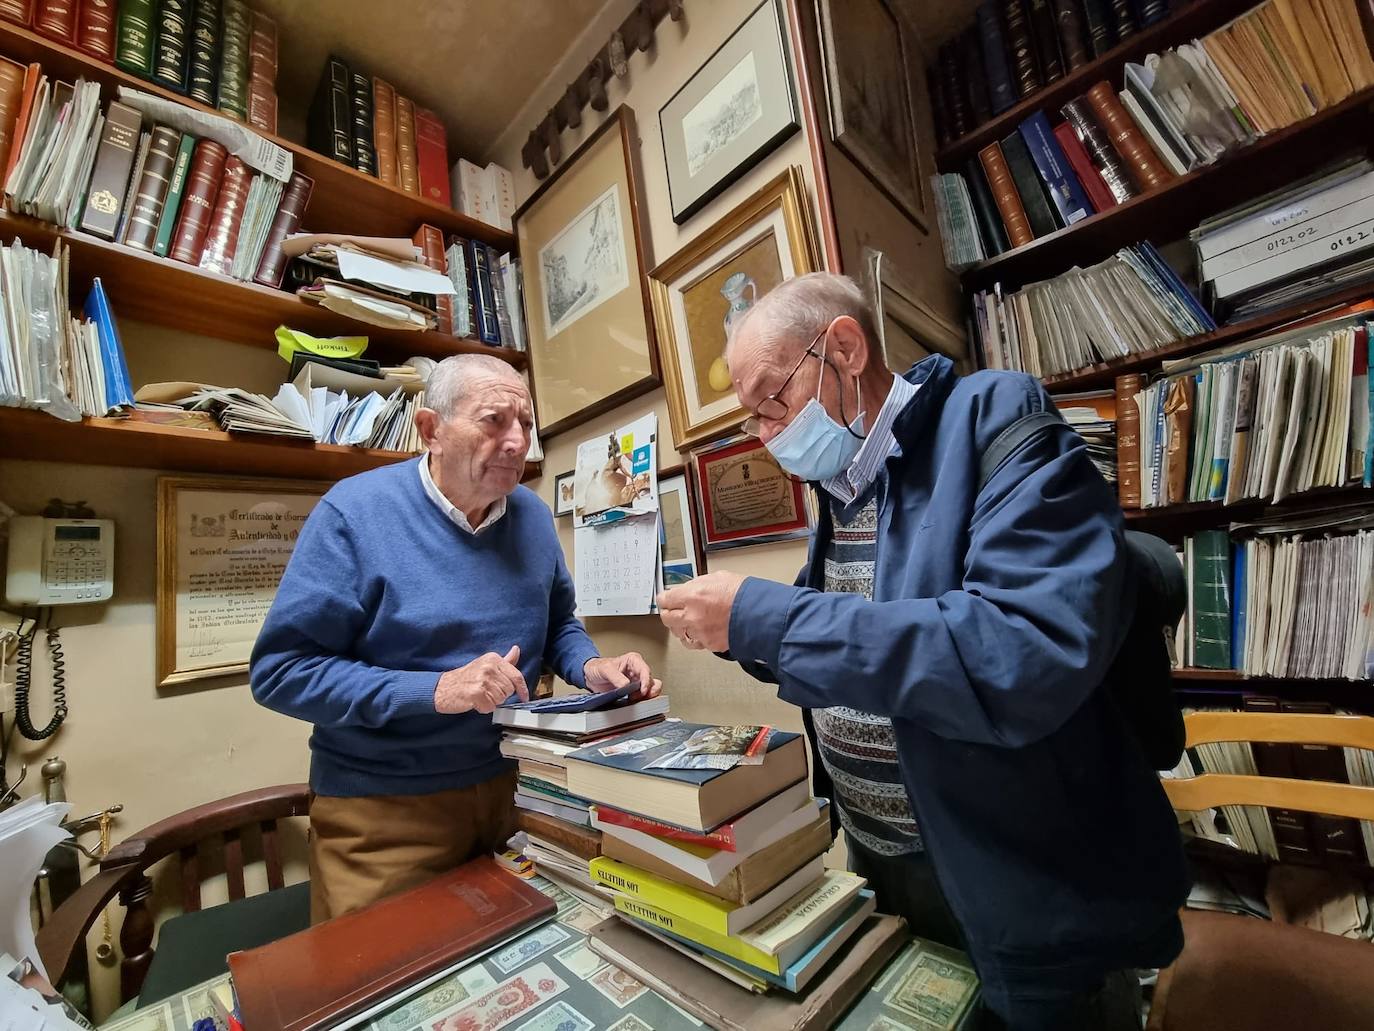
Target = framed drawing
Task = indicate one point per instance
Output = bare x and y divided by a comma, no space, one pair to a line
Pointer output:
728,116
222,546
683,558
908,329
868,86
590,324
745,497
700,290
564,493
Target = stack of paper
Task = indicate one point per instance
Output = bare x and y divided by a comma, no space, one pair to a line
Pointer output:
28,831
378,281
57,151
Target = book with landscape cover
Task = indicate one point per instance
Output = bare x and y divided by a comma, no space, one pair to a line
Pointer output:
618,771
320,977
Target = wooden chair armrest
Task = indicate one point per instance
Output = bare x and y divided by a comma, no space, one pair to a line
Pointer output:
177,832
65,931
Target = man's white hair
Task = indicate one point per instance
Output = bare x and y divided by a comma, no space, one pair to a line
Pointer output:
793,313
453,377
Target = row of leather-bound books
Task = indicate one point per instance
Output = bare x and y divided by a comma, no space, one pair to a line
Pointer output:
110,171
217,52
1281,62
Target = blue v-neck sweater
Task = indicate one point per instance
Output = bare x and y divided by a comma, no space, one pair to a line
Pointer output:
382,595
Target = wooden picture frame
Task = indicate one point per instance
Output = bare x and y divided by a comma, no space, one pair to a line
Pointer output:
766,239
589,318
564,496
680,537
745,497
219,560
907,328
867,61
733,111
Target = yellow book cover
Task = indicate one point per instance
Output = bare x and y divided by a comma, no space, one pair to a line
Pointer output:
725,944
1336,83
688,903
1283,26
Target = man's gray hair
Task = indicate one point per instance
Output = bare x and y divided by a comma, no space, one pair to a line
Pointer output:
797,310
452,378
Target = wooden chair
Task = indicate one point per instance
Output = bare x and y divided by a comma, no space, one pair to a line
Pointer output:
124,872
1239,972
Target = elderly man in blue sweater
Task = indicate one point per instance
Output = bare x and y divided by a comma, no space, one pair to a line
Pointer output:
419,597
948,639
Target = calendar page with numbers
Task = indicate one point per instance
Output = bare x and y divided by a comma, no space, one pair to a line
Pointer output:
615,567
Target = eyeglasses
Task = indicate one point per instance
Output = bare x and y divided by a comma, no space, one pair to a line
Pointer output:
772,408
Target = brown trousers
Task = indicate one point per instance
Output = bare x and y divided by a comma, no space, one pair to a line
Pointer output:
364,849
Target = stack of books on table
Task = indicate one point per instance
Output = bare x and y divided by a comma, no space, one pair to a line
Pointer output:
713,847
539,735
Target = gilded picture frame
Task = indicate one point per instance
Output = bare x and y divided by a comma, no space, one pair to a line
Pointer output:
589,317
698,291
221,547
744,497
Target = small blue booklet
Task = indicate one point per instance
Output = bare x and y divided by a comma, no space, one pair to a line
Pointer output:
589,702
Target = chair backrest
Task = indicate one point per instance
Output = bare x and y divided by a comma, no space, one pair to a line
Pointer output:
1217,789
124,872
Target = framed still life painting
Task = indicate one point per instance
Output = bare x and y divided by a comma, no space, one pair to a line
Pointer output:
728,116
701,290
590,323
868,86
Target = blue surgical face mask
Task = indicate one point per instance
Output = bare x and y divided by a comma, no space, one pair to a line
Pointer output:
813,446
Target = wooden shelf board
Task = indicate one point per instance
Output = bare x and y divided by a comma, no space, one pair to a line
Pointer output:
1172,210
1232,676
1174,520
172,293
40,437
1104,374
344,200
1182,26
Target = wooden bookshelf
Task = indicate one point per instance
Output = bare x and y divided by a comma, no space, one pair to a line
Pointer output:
1103,375
172,293
1192,20
40,437
1173,522
1173,210
344,200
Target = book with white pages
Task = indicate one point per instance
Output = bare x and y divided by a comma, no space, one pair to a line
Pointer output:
580,722
1162,145
1140,80
572,814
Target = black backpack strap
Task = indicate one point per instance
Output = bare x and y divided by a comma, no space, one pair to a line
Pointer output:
1010,439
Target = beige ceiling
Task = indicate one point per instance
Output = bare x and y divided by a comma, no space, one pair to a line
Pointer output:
475,62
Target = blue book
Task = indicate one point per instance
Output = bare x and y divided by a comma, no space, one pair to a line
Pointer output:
796,977
1060,181
119,389
1172,280
1238,602
581,702
488,328
1160,442
1001,94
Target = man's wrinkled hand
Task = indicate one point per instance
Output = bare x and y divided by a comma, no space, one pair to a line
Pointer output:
482,685
698,612
611,673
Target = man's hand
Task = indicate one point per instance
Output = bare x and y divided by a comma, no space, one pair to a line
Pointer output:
698,612
481,685
614,672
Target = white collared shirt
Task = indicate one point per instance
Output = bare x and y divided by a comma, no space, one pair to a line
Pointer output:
878,446
454,513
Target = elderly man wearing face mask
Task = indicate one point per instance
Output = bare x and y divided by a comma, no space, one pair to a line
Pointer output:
948,640
419,597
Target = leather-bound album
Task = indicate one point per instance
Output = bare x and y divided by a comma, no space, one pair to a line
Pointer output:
1025,72
272,266
203,71
114,161
1004,194
319,977
222,236
198,200
1128,439
430,240
407,163
56,19
384,130
1143,164
329,128
235,41
1045,35
134,39
95,29
1073,45
151,193
20,11
957,107
431,157
970,46
1079,114
171,48
360,98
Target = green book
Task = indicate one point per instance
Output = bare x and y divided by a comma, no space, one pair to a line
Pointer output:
162,242
1211,582
134,40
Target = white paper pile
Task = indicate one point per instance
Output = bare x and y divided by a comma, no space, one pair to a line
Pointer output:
28,831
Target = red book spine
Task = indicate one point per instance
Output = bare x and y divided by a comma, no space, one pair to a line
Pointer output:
431,152
56,19
1083,167
272,267
722,837
198,202
20,11
95,29
431,243
222,237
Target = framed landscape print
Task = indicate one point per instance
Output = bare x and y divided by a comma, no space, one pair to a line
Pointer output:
683,558
745,497
868,85
736,109
717,277
591,331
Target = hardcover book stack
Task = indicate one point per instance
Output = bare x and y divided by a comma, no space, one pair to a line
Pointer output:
488,299
1129,304
712,845
1092,414
539,735
1283,61
217,52
122,178
1264,420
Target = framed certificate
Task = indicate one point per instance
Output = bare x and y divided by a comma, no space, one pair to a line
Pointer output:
745,497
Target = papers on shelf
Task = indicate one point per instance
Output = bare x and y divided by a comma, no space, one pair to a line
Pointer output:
407,277
367,307
290,341
254,150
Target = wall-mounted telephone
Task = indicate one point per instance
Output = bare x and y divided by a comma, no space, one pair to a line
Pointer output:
60,561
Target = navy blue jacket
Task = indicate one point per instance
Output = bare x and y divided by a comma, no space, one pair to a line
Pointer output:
993,619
